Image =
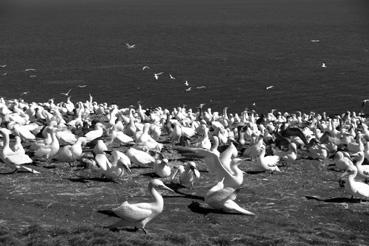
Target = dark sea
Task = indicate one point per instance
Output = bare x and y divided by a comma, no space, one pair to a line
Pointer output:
229,51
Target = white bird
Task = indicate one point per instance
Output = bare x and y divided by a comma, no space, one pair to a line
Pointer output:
315,40
156,75
171,76
120,160
24,93
161,168
201,87
324,65
341,161
222,198
139,157
66,93
186,83
48,150
82,86
142,213
130,46
357,187
94,134
145,68
71,153
188,89
233,177
11,158
267,163
29,69
269,87
3,66
187,174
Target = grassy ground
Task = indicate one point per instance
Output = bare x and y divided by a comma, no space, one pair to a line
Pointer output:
303,205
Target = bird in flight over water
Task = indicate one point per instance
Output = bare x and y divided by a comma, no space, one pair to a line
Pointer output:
29,69
156,75
324,65
3,66
66,93
269,87
82,86
130,46
171,76
186,83
145,68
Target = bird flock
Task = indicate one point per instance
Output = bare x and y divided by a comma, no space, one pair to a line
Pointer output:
106,140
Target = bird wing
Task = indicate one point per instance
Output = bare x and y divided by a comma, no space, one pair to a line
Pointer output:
272,160
18,159
212,161
133,212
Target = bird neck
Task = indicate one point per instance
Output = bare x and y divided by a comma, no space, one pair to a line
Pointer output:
6,149
158,199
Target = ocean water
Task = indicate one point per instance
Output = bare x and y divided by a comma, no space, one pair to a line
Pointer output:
232,50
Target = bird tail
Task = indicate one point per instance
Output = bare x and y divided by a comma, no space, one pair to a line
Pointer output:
231,205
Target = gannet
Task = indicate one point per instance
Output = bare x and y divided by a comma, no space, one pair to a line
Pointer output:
188,174
156,75
161,168
130,46
357,187
222,198
268,163
66,93
11,158
142,213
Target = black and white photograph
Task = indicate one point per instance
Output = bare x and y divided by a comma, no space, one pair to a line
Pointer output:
184,122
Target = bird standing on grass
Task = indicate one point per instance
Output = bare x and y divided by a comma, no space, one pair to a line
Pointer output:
142,213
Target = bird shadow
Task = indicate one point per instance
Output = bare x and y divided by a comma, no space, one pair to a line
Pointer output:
151,175
254,172
81,179
336,199
197,208
176,188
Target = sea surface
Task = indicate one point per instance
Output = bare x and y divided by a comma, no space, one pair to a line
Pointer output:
229,51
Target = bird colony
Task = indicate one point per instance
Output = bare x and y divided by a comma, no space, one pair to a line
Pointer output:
108,141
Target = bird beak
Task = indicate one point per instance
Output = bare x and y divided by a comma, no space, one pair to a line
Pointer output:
127,168
196,173
174,174
167,188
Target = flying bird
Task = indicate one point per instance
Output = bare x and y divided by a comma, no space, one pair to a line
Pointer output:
130,46
82,86
66,93
156,75
269,87
3,66
29,69
315,40
188,89
145,68
201,87
186,83
171,76
324,65
24,93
